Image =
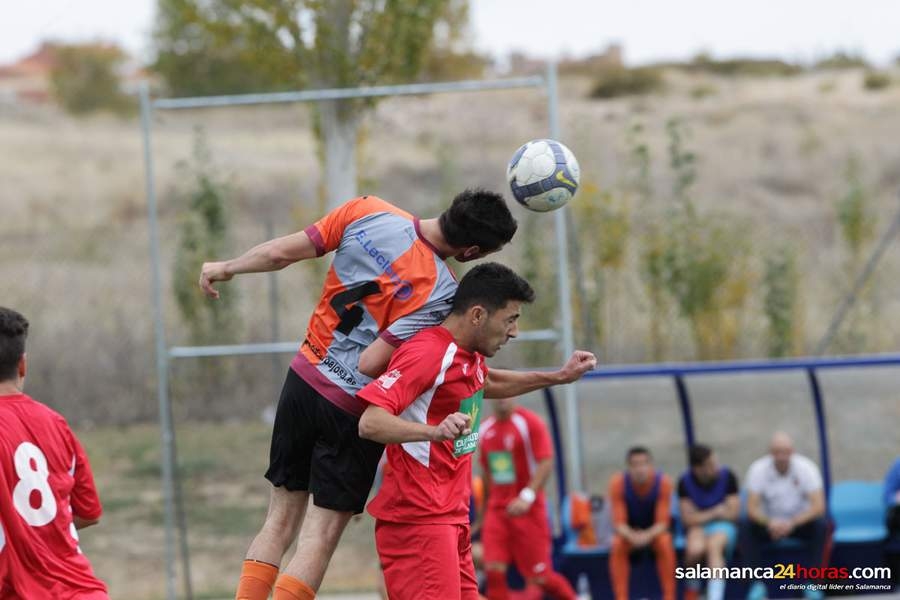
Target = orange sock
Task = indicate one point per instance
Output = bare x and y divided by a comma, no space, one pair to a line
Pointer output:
291,588
256,580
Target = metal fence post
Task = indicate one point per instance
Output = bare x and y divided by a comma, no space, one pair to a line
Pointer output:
162,356
565,295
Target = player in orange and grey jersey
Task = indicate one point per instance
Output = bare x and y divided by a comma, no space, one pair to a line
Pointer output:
387,281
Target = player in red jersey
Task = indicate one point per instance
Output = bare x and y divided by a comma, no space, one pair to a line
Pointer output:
517,459
388,280
427,407
47,489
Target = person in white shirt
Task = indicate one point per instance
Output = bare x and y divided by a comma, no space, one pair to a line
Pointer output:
785,498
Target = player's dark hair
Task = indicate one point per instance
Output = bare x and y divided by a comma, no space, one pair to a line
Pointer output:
490,285
478,218
13,331
698,454
635,450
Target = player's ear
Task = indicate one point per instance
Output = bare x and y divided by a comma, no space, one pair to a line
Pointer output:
471,252
478,315
23,365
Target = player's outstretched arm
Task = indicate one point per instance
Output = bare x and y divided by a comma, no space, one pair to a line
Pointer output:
269,256
503,383
379,425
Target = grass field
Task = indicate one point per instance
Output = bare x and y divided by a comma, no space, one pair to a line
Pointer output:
221,468
771,153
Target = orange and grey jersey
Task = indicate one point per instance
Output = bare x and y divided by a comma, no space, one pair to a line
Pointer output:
386,280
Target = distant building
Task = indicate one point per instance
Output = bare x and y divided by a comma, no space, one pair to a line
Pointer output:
611,58
28,79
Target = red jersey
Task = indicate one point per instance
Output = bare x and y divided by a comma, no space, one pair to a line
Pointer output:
386,281
510,451
45,479
429,377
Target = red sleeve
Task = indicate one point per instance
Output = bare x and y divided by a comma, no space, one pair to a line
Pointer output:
326,233
84,498
411,372
541,443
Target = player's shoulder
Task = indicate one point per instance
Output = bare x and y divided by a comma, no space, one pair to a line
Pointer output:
367,205
526,413
759,466
35,409
804,463
532,418
617,482
436,336
30,416
427,346
487,425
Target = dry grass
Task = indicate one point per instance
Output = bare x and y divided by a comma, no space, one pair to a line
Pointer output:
225,499
74,242
771,151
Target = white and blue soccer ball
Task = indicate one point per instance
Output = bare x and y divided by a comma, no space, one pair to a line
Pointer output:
543,175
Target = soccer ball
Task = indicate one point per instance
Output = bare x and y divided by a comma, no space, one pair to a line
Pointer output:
543,175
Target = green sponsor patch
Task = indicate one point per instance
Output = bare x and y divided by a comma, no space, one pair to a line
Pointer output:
471,406
501,465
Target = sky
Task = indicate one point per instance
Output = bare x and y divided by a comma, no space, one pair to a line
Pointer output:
649,30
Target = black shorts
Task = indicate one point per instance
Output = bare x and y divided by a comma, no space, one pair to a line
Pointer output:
316,448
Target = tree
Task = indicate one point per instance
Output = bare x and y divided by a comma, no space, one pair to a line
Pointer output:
85,79
233,46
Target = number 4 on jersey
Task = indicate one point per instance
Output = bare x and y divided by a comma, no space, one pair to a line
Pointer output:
346,305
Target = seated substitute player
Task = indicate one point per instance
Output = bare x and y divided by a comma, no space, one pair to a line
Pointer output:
47,489
427,406
710,505
517,458
640,501
387,281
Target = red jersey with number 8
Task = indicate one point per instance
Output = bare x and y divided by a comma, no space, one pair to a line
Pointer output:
386,281
45,480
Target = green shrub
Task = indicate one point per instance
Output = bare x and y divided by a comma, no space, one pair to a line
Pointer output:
703,90
613,83
826,87
780,301
842,60
84,79
757,67
876,80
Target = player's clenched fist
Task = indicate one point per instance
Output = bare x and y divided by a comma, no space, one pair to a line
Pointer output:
452,427
578,364
210,273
